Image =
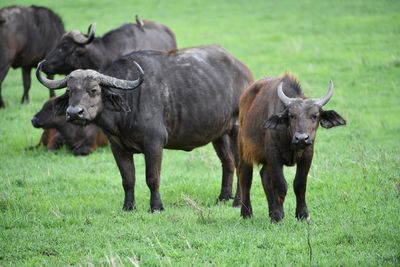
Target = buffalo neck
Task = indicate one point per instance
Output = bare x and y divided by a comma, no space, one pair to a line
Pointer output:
288,155
98,55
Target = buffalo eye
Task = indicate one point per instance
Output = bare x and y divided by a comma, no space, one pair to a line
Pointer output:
93,91
314,117
292,116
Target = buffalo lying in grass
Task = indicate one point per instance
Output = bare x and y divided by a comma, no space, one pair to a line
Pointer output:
82,140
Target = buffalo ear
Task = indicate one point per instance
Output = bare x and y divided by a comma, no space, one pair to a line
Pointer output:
278,121
331,118
114,102
61,104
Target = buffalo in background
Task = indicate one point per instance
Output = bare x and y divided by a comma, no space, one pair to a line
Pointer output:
27,34
188,99
82,140
79,51
278,126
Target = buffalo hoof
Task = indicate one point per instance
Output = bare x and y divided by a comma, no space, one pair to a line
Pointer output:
237,202
301,214
276,216
24,100
224,197
156,209
156,205
246,212
128,207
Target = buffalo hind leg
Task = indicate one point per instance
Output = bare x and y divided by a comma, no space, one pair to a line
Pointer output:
245,173
275,187
223,148
26,78
235,150
3,73
153,158
300,186
126,167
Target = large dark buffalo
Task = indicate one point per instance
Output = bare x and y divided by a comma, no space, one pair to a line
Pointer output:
82,140
278,125
79,51
188,98
26,35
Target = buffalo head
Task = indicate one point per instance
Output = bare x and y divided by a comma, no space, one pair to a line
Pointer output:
70,53
301,117
88,92
48,117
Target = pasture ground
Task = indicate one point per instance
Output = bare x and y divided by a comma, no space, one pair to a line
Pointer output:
57,209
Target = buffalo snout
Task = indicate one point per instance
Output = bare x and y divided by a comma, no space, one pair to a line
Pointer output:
36,122
301,140
74,113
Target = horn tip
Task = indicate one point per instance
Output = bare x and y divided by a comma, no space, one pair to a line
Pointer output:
330,86
40,63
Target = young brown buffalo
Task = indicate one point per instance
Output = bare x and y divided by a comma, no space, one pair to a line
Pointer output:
278,125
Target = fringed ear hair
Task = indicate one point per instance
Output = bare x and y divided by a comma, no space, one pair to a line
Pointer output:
331,118
278,121
115,102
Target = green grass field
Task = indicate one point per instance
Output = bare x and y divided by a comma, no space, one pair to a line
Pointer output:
57,209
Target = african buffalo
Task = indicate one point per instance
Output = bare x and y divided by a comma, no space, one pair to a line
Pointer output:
278,125
26,35
77,51
188,98
82,140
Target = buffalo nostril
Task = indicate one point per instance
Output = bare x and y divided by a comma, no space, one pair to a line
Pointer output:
306,138
74,112
80,112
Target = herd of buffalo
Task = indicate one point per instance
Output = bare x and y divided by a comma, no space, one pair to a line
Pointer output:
134,89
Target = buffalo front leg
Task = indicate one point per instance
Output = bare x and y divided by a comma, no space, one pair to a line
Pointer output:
26,78
223,148
153,158
126,167
275,187
3,73
300,186
245,173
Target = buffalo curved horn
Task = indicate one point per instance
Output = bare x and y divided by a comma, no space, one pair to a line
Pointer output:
323,100
82,39
51,84
285,99
122,84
